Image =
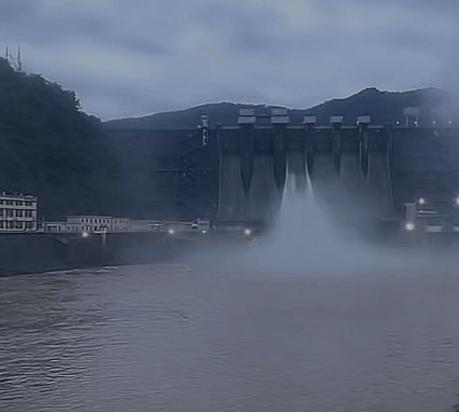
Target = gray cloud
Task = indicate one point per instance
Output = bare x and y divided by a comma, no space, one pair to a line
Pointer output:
138,57
13,10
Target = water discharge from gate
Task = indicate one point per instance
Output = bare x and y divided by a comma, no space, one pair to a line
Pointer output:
305,238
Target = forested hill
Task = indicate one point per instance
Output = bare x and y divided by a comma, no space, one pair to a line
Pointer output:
383,107
49,147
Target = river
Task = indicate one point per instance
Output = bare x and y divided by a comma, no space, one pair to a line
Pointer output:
179,338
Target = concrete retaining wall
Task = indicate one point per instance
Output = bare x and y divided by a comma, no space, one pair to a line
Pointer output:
39,252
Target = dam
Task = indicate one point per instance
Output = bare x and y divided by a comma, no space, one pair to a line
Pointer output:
237,174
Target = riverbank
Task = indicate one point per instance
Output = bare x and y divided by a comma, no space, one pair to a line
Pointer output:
44,252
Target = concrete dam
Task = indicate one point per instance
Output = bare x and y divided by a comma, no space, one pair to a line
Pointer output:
238,174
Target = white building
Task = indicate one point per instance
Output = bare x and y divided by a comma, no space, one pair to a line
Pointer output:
89,224
119,224
57,227
107,224
18,213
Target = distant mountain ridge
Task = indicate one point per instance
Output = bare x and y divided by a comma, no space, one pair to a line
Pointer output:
382,106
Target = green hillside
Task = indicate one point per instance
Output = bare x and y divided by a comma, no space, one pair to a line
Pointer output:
49,147
384,107
224,113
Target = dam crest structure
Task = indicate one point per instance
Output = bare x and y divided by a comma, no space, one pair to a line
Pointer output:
238,173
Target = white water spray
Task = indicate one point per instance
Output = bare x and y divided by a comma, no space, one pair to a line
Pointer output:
302,227
304,239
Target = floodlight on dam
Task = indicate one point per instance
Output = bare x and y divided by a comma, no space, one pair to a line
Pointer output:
85,234
456,200
171,231
247,232
422,201
409,226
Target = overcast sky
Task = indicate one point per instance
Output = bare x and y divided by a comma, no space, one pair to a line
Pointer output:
128,58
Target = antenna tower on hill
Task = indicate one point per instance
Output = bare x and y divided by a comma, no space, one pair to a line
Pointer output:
16,63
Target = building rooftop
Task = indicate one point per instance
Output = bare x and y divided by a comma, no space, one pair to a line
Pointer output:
16,195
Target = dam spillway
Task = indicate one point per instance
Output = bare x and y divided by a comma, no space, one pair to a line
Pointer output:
340,161
237,174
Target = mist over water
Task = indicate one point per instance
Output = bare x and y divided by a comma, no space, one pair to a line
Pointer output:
306,240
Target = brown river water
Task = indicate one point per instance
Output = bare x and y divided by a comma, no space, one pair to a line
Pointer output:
184,338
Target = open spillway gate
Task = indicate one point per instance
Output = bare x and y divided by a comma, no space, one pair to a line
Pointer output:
255,160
